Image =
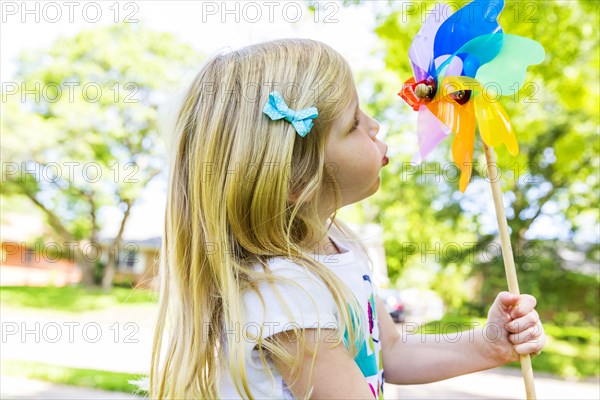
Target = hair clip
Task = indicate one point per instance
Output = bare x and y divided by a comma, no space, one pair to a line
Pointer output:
301,120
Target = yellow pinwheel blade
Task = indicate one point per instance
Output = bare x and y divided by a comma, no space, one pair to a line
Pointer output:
463,143
457,117
451,84
461,121
494,125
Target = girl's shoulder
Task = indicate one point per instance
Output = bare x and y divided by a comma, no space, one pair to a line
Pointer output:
352,257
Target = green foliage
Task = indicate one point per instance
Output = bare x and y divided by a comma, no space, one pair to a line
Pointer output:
88,125
570,352
73,298
91,378
574,334
563,296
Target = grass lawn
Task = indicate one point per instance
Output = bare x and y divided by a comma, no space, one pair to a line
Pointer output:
91,378
73,298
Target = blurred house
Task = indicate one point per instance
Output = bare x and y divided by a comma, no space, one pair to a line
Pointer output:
137,262
26,262
26,259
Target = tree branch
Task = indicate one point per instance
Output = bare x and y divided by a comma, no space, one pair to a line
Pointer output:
52,218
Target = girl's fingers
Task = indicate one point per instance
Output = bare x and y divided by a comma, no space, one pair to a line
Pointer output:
520,324
534,346
525,304
531,334
506,300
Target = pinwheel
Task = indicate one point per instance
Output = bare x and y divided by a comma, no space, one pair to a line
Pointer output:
461,67
462,64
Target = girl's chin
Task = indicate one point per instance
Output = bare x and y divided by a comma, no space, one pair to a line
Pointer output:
372,190
376,185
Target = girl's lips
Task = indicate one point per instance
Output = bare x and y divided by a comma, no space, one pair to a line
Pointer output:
385,161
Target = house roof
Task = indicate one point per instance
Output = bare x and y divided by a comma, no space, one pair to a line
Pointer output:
152,243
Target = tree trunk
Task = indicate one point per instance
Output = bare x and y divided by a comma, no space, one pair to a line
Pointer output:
110,268
87,266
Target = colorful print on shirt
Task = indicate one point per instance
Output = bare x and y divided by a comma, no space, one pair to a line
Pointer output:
369,358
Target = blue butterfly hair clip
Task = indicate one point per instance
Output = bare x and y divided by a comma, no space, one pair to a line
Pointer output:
301,120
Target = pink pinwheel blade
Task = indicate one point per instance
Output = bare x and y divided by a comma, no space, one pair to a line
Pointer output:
431,131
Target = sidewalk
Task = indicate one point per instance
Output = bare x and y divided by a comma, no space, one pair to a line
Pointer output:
111,340
495,384
499,383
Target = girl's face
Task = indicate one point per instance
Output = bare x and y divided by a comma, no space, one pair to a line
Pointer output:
355,155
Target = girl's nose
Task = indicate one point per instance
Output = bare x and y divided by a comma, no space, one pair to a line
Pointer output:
373,126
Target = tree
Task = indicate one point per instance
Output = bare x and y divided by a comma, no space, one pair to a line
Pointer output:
80,131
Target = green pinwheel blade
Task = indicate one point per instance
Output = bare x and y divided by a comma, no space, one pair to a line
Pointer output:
505,73
477,51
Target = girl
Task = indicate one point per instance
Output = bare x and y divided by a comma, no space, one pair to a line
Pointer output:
264,293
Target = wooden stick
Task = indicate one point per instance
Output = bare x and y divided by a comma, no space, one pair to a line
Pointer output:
507,256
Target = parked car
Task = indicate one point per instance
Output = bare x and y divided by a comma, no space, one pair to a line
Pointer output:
393,303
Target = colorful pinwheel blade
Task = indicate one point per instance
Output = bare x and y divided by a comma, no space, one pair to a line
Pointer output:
430,132
462,149
457,117
449,65
452,84
476,52
494,125
475,19
420,52
505,74
500,61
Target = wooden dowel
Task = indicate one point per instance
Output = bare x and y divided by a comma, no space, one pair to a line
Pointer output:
507,256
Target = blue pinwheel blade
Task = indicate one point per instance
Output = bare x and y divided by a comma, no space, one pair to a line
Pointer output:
477,18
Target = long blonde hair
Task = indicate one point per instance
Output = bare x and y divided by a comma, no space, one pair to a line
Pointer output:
243,189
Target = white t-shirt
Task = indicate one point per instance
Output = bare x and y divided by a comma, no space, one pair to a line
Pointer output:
352,267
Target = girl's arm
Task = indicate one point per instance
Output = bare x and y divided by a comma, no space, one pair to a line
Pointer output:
335,375
416,358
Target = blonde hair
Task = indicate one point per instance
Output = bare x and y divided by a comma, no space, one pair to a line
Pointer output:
232,174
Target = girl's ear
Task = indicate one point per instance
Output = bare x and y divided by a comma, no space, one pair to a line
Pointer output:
292,198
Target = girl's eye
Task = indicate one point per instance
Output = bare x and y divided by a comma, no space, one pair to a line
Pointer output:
356,123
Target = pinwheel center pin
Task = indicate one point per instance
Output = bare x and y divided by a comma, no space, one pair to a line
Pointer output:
418,93
423,91
461,96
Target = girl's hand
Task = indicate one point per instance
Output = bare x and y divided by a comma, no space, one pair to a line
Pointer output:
513,327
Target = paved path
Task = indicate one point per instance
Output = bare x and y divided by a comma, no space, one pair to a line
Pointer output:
113,340
495,384
499,383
